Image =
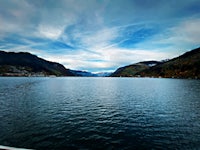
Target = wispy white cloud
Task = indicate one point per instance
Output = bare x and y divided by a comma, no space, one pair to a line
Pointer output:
99,39
177,39
49,31
187,32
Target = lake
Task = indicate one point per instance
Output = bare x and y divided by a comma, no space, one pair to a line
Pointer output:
99,113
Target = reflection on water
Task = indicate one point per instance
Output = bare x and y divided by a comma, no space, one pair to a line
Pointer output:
100,113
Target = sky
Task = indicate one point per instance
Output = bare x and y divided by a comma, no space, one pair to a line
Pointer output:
100,35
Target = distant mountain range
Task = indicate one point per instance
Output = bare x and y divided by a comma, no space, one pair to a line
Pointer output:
89,74
184,66
26,64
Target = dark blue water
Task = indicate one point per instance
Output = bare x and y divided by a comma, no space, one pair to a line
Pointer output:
99,113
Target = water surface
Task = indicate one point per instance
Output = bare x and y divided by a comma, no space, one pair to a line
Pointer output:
99,113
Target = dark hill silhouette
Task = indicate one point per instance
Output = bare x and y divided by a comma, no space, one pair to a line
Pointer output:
25,64
132,70
184,66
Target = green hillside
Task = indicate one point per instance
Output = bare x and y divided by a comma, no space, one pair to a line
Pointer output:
132,70
184,66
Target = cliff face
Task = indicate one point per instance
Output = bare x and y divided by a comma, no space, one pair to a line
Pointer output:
26,64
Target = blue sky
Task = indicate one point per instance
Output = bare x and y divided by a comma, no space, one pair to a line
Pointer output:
100,35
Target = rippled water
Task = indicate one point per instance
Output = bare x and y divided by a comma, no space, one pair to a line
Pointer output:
99,113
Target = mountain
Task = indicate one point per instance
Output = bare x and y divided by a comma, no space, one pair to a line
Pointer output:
103,74
83,73
90,74
132,70
184,66
26,64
